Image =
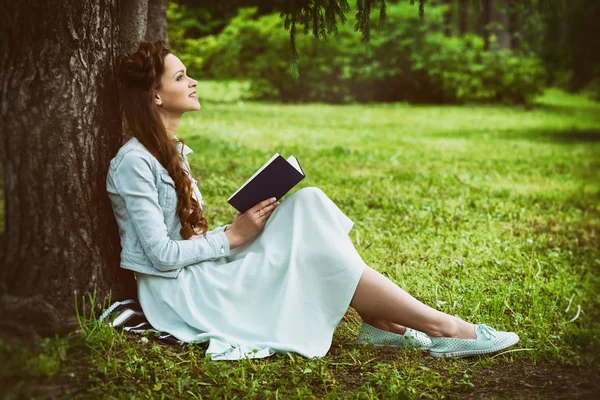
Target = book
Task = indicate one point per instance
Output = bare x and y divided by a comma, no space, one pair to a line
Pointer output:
274,179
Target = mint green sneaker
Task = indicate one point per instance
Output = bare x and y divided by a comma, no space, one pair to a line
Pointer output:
488,341
411,339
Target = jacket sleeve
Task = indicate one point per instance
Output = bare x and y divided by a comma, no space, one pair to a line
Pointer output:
135,183
217,230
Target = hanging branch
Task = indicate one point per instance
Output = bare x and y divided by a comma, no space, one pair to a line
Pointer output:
323,16
383,15
421,7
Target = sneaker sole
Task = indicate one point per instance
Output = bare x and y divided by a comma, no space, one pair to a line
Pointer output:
467,353
391,345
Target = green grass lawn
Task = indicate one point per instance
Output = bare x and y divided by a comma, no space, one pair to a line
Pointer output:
490,213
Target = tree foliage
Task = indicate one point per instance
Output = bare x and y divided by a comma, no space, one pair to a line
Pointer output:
322,17
562,33
413,60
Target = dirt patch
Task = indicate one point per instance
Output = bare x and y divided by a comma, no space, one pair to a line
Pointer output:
518,379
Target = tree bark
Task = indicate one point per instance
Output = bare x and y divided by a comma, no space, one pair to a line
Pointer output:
463,16
133,19
59,127
494,19
482,23
514,25
449,18
499,16
157,21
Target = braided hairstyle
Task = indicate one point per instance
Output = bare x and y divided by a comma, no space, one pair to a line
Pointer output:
139,75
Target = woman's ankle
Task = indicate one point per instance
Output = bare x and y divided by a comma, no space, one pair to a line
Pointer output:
466,331
454,328
462,330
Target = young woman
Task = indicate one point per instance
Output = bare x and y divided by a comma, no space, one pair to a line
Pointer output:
277,279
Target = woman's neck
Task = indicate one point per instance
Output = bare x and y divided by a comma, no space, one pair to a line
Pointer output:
171,124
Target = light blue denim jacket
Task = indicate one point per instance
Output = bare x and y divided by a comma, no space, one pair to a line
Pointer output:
144,202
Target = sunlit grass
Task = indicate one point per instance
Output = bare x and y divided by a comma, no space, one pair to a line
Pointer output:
489,213
493,206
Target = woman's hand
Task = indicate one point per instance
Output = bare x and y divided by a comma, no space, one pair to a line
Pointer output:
248,225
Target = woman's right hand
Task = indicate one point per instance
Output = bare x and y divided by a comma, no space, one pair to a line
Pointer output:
248,225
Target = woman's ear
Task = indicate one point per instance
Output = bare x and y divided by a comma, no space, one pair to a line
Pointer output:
157,98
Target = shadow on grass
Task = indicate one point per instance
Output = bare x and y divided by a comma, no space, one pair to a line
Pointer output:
571,136
576,136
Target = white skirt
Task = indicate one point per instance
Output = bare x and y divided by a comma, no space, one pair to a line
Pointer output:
285,291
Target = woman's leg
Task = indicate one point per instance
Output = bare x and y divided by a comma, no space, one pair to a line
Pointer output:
378,298
383,324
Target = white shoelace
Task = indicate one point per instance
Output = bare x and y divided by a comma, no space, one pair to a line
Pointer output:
487,331
111,308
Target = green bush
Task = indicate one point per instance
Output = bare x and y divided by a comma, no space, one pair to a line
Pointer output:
410,60
461,71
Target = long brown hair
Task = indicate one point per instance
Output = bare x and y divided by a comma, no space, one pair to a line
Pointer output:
140,74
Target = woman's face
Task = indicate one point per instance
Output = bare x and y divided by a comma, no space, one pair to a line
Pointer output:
177,93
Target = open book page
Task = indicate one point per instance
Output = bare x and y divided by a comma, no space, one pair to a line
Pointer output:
256,173
294,163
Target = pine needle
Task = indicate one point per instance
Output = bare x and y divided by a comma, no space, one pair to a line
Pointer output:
570,301
576,315
512,351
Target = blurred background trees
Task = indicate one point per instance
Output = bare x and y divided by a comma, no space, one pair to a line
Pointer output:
460,51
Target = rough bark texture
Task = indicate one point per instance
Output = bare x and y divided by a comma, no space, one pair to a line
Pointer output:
157,21
59,128
133,19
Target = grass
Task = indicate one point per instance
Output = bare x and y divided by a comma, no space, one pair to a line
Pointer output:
489,213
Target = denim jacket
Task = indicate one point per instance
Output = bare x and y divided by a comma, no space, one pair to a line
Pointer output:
144,202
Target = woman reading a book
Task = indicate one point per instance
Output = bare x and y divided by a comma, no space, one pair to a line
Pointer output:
278,278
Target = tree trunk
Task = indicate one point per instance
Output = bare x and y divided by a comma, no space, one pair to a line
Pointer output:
514,25
133,19
482,23
500,23
449,18
494,19
59,127
463,16
157,21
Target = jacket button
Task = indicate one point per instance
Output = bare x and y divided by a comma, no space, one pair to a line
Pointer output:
222,250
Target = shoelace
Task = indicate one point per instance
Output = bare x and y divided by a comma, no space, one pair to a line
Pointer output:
112,307
487,331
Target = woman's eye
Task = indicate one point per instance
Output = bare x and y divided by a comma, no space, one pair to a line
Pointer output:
179,77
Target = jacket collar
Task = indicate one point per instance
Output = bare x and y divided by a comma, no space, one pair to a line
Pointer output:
186,149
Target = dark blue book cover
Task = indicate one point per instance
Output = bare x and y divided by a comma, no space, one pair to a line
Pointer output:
274,179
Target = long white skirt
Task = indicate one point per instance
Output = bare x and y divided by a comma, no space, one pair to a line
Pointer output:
285,291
